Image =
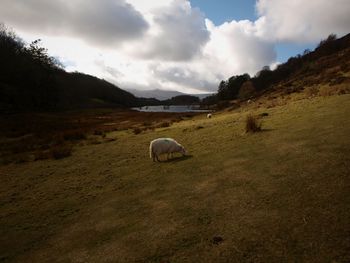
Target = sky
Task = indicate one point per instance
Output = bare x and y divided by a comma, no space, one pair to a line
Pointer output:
183,45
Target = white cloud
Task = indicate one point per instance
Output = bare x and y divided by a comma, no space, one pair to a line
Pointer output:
237,49
178,33
302,21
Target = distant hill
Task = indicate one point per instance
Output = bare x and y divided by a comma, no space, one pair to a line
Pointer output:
162,94
182,100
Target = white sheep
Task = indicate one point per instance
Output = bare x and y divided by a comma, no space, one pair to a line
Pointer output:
209,115
164,146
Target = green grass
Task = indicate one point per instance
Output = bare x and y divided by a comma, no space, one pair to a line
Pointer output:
280,195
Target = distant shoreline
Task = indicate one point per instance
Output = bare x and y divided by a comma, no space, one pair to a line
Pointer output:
170,108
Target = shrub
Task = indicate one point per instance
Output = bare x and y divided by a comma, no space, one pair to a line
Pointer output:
147,123
223,104
98,132
137,130
62,151
74,136
251,124
42,155
165,124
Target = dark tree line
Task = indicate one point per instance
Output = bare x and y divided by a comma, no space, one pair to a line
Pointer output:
26,73
182,100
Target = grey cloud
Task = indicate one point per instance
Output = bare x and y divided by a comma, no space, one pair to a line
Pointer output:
113,72
105,22
184,77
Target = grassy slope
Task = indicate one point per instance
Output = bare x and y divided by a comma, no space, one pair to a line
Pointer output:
281,195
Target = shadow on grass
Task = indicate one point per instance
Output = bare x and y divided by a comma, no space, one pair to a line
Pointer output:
260,131
266,130
177,159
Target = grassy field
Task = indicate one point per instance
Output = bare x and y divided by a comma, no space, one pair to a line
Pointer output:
280,195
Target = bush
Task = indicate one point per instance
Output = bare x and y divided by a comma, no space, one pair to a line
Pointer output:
98,132
74,136
42,155
60,152
165,124
251,124
137,130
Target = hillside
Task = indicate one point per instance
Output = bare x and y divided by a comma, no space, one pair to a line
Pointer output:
31,80
324,70
274,196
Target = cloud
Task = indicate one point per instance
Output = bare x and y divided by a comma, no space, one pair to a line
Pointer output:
105,23
302,21
235,48
179,32
184,76
169,44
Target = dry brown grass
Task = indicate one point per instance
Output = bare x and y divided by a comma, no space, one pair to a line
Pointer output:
110,202
31,134
311,91
334,90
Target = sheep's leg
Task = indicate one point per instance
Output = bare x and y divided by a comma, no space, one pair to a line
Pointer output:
157,158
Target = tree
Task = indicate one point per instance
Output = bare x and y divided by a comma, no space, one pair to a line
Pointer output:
247,90
328,40
222,90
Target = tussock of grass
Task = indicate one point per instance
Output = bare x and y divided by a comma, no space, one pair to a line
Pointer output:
251,124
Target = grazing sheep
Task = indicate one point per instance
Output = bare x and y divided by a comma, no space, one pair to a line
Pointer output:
209,115
164,145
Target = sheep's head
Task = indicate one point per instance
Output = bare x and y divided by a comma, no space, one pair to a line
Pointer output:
183,150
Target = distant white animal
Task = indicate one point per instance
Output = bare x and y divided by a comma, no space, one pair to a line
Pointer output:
209,115
164,146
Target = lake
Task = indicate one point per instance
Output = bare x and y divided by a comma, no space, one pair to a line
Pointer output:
171,108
